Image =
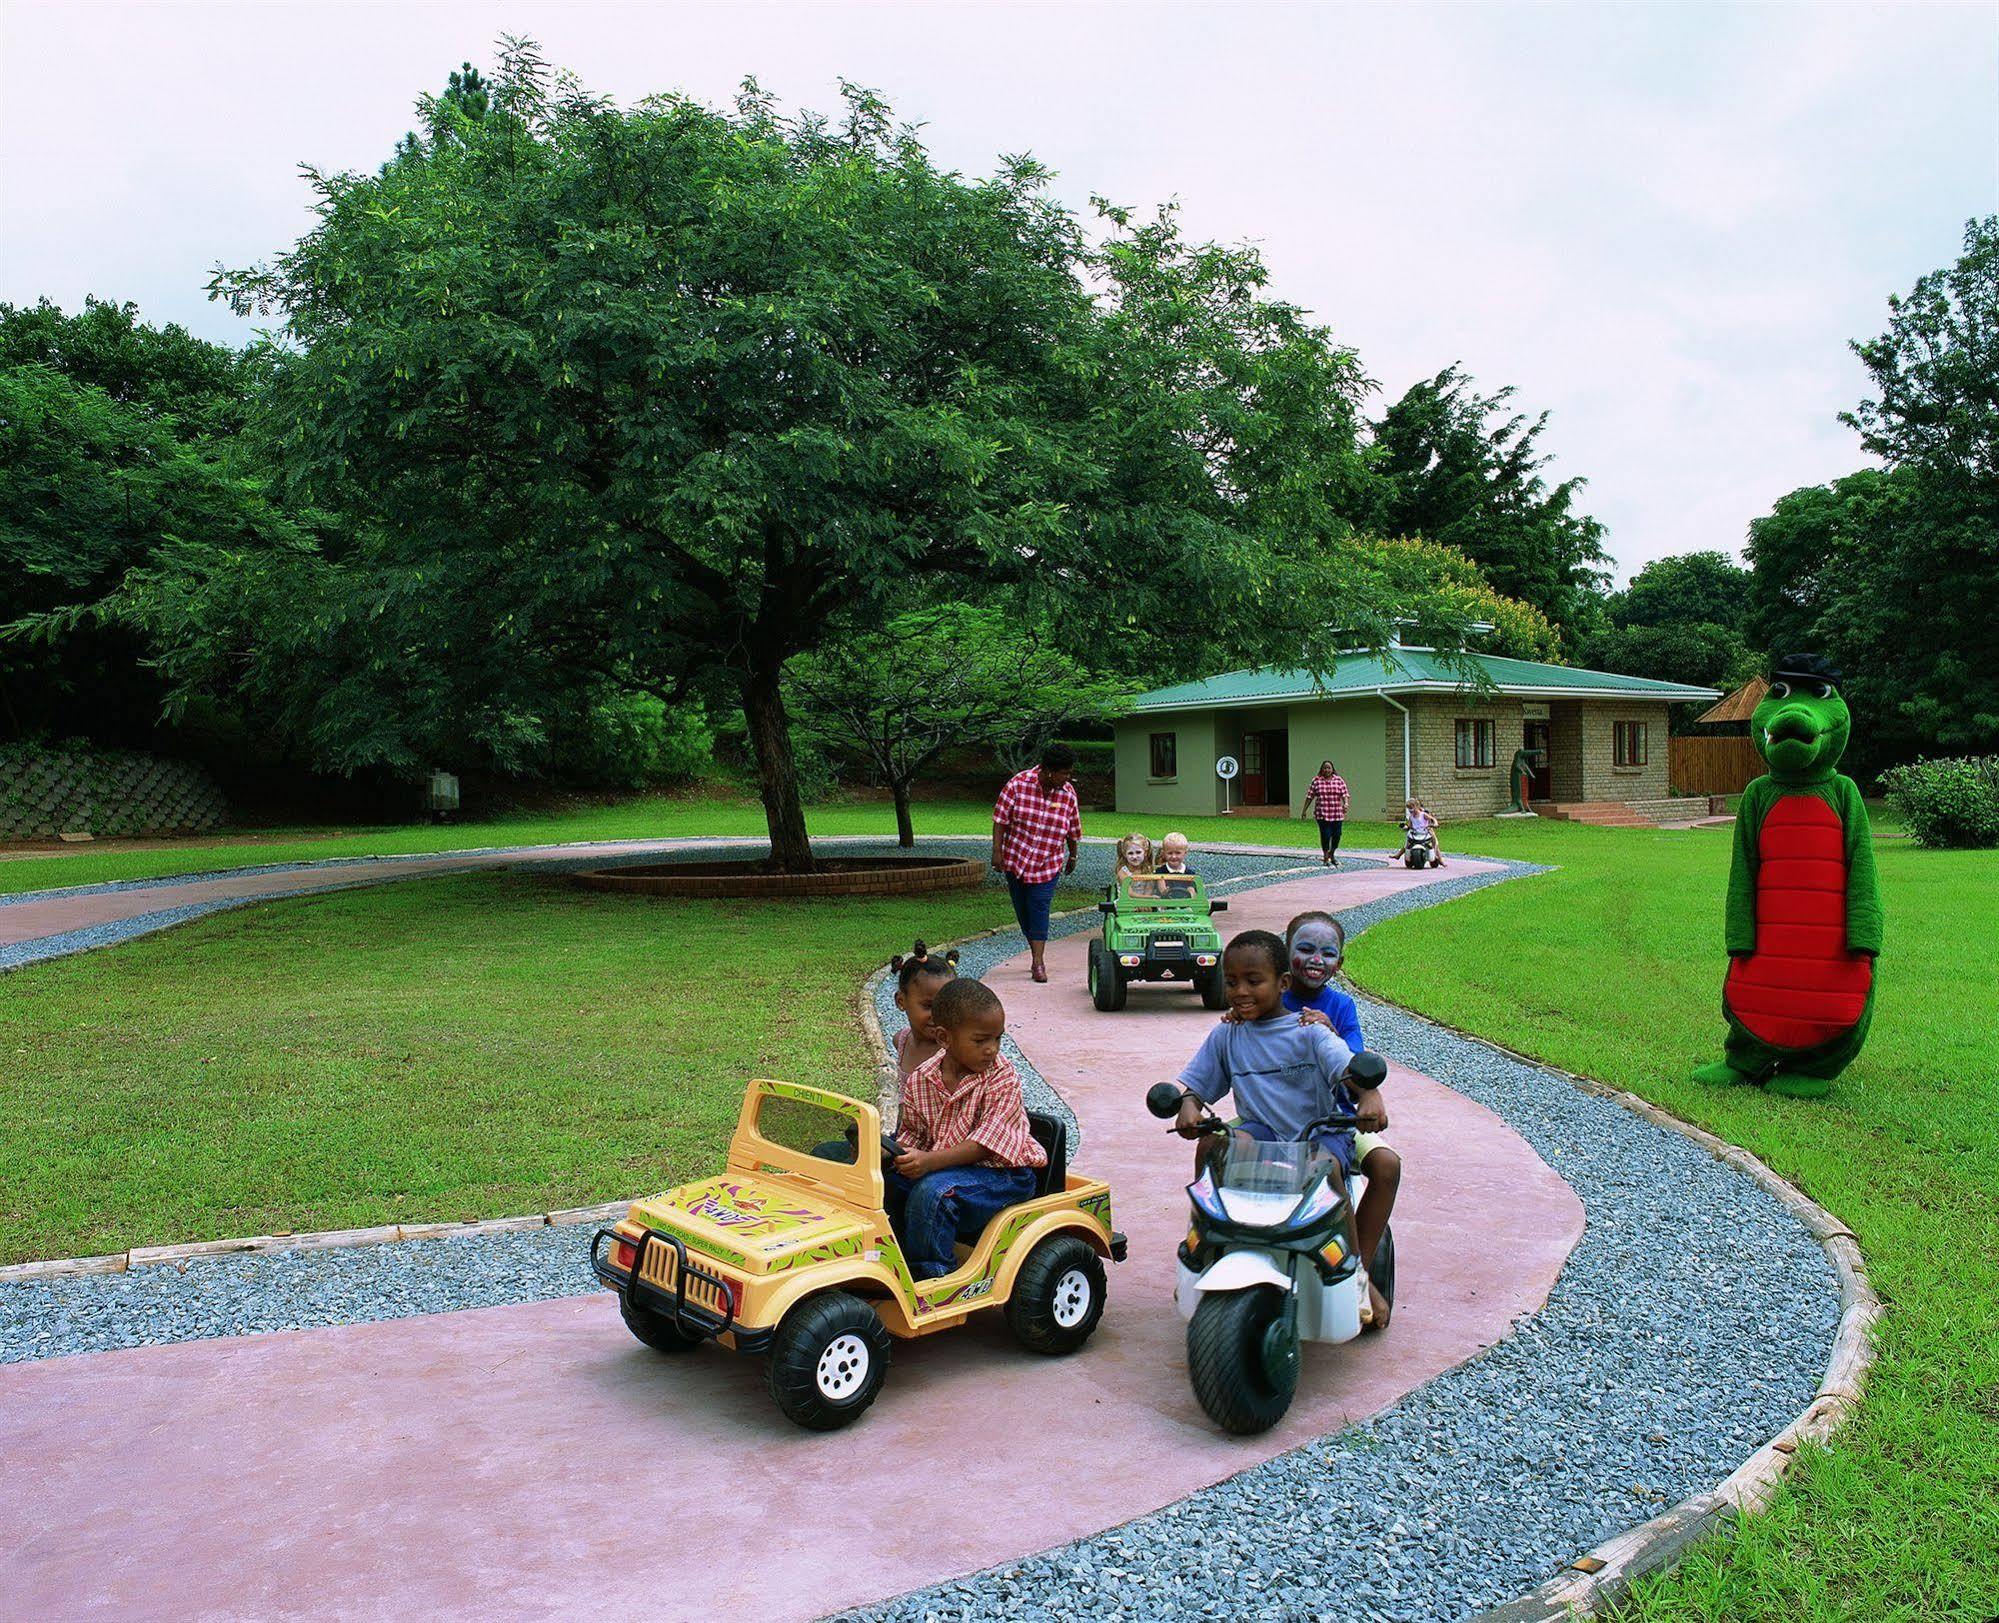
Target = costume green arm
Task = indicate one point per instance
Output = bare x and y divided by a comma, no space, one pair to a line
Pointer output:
1863,892
1739,934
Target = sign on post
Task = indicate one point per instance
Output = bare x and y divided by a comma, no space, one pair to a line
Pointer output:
1225,769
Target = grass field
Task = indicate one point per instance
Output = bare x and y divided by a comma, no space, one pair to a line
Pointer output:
412,1052
465,1047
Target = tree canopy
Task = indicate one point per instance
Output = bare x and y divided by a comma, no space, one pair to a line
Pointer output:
1461,468
1894,573
667,396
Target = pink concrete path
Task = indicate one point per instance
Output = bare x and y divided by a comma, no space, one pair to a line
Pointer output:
533,1461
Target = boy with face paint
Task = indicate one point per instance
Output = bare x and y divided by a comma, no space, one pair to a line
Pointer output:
1318,946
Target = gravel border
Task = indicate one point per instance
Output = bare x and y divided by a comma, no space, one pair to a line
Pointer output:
1689,1326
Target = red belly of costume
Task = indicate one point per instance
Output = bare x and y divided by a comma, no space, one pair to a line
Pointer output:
1801,986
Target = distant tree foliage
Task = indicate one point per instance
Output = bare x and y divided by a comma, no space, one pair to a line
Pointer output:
1894,573
1936,371
1681,619
115,442
1434,582
1458,467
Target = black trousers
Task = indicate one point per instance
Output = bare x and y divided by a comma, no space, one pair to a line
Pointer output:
1329,835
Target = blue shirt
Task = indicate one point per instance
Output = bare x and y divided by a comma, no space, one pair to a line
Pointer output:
1337,1007
1283,1074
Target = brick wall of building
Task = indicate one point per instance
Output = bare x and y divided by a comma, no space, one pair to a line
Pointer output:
1565,750
1446,789
1602,778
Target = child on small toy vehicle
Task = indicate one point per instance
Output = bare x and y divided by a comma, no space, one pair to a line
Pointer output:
793,1255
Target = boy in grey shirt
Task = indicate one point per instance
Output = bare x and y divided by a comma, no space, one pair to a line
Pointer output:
1285,1075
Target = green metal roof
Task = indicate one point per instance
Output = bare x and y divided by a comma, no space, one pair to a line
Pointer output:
1410,670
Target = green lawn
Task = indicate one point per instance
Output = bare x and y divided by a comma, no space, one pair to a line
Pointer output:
413,1052
643,817
465,1047
1612,967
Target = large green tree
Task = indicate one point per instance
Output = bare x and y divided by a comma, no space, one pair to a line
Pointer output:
1894,573
1455,466
1936,372
669,395
1895,578
1681,619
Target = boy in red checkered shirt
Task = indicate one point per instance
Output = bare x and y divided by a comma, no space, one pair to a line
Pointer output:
967,1151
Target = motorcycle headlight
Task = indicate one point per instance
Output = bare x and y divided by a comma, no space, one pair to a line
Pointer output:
1202,1192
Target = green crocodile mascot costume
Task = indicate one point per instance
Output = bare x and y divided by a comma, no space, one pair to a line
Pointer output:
1804,911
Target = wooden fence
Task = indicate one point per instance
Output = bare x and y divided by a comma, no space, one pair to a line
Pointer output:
1712,766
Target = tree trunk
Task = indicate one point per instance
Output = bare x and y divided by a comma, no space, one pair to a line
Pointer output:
777,773
905,830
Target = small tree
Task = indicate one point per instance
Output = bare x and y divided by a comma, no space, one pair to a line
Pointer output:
939,679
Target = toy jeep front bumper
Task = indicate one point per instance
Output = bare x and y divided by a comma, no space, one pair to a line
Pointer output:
658,1257
1177,958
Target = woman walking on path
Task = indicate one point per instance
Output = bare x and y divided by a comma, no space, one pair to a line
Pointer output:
1327,801
1035,822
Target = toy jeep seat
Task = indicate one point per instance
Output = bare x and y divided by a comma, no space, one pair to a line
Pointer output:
1052,1134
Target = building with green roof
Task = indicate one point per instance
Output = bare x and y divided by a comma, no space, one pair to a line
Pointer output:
1400,723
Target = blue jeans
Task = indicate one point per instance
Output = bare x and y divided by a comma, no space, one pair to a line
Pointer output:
941,1208
1336,1142
1030,906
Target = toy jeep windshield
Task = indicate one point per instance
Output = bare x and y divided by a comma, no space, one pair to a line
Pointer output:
789,1253
1157,928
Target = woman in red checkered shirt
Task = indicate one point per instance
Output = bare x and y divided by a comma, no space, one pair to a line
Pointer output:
967,1150
1036,828
1327,801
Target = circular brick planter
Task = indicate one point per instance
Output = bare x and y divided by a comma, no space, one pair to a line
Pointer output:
833,876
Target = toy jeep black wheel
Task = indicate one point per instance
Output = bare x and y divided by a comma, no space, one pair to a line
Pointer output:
1208,982
655,1329
1058,1296
1106,982
1242,1370
828,1360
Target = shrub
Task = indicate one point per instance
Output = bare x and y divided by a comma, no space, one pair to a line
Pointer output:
632,741
1953,802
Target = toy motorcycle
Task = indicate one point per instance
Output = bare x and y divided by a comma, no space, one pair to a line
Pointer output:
1270,1261
1419,850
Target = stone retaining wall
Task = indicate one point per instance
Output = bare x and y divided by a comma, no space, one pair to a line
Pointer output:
47,792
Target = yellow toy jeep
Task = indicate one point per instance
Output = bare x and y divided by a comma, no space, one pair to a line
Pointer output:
789,1253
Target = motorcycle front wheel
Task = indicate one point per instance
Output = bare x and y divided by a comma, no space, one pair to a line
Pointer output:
1243,1373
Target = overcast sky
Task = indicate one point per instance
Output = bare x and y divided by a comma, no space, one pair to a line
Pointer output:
1660,223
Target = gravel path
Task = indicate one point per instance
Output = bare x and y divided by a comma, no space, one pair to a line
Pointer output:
1693,1321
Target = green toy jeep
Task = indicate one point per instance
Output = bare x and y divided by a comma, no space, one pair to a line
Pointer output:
1156,928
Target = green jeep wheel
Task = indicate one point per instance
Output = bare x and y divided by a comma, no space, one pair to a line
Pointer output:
1208,982
1106,981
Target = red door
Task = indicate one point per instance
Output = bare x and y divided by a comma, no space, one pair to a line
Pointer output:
1253,768
1534,736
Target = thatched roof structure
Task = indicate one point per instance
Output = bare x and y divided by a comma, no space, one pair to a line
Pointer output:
1739,705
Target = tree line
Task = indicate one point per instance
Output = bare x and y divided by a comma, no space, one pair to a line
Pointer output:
583,432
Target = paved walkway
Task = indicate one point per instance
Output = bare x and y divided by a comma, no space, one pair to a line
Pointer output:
534,1461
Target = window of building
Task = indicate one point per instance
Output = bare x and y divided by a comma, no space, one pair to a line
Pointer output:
1163,752
1474,743
1629,741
